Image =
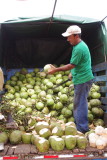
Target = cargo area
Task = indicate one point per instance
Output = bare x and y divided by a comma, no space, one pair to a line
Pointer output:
30,153
31,43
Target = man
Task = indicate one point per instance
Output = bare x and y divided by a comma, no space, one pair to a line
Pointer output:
81,73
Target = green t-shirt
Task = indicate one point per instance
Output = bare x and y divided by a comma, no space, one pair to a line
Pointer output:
81,58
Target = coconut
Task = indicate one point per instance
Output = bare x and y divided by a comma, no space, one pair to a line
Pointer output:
54,124
70,141
70,130
31,122
34,137
71,119
3,137
26,138
42,74
52,137
1,117
81,142
45,110
100,143
63,137
104,138
58,131
89,132
92,139
42,145
41,125
98,122
106,131
15,137
47,67
70,124
24,71
92,142
21,128
57,144
99,130
45,132
93,135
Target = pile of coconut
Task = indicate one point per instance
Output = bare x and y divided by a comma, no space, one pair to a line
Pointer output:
98,138
46,136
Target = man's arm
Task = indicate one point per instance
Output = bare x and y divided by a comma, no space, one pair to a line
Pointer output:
63,68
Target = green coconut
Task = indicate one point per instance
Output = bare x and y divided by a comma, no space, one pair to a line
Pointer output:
54,124
34,137
41,125
89,132
21,128
71,119
3,137
81,142
70,130
58,131
26,138
51,137
70,124
42,145
47,67
45,132
63,137
57,144
45,110
31,122
70,141
15,137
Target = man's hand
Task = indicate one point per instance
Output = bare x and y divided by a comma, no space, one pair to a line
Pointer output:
52,70
70,76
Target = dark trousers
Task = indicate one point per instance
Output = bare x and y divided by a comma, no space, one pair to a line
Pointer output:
81,105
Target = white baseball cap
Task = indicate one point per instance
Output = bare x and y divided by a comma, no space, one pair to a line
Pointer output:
74,29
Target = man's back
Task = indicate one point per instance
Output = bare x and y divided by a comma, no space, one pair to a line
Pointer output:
82,60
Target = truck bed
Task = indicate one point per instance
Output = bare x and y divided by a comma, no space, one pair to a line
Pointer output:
29,152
